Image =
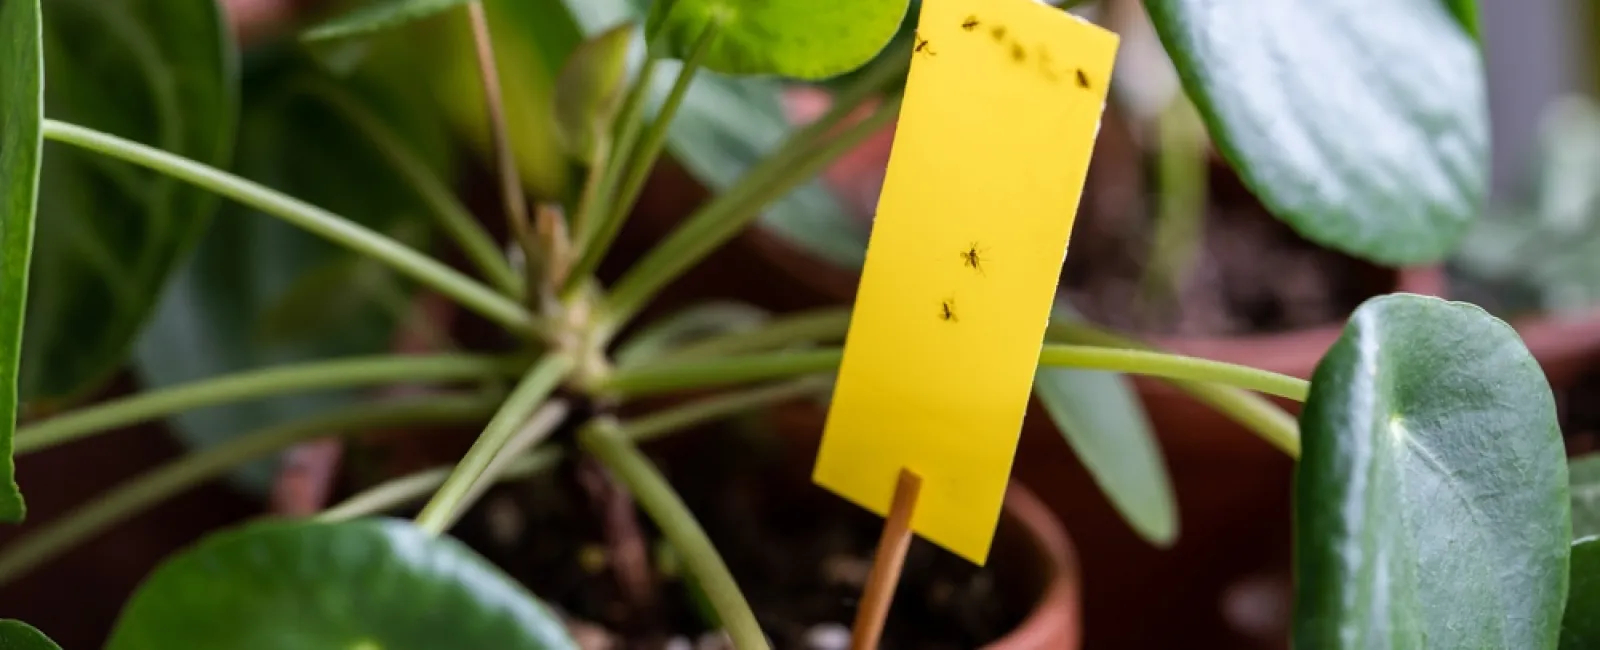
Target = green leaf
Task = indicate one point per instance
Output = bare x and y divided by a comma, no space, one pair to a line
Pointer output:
1431,494
161,72
1580,626
16,635
1364,126
260,292
21,141
1466,11
378,15
724,127
1103,421
590,87
1584,475
375,584
803,39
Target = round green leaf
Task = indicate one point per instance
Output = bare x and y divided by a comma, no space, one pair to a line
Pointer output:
1431,495
1363,125
16,635
260,292
376,584
160,72
803,39
21,142
1580,626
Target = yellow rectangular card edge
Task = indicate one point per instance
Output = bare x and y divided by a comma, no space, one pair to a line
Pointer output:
1002,107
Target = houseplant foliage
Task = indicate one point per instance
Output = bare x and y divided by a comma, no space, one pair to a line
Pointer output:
1426,428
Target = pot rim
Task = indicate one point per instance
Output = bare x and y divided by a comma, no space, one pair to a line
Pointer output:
1056,620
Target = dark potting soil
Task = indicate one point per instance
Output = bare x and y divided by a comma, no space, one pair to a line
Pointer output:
1249,274
801,556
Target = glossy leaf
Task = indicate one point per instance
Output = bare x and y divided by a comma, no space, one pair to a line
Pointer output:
21,141
376,15
161,72
589,88
260,292
1580,626
1431,494
1362,125
1103,421
14,634
363,585
803,39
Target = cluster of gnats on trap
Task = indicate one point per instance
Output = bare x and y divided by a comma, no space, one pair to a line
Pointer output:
1018,51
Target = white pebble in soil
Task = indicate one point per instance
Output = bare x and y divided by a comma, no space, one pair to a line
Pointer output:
828,636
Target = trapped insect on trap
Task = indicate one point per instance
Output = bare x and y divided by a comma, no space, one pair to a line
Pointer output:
1001,110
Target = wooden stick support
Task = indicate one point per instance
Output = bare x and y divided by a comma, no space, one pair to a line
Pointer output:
886,564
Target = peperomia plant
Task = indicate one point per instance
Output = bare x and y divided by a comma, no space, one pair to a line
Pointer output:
1432,495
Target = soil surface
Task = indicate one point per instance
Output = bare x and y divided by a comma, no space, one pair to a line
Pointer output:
1248,274
801,555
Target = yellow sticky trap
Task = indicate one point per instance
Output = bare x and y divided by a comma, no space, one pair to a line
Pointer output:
999,119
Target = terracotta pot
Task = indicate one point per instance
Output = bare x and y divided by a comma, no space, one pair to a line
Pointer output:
1028,529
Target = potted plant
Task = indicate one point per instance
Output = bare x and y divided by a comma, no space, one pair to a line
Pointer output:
550,393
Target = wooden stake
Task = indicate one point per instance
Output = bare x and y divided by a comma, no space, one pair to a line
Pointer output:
886,564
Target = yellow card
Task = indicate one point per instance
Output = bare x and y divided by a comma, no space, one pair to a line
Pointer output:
1000,115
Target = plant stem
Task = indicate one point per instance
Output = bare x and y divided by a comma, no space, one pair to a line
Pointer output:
538,428
155,486
665,378
710,409
1173,366
406,489
612,448
452,216
513,414
511,193
1250,410
661,337
817,326
689,375
609,170
723,218
394,493
257,384
636,167
1254,412
339,230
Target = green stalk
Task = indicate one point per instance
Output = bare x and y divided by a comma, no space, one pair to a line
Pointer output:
723,218
538,428
613,449
394,493
690,375
817,326
511,193
625,135
1254,412
132,497
339,230
1173,366
451,215
636,167
257,384
1250,410
513,414
407,489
